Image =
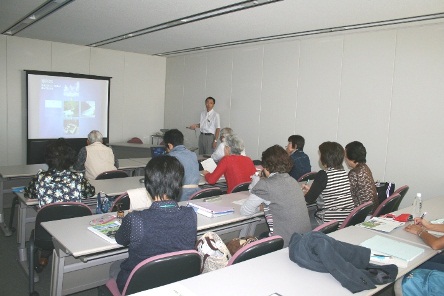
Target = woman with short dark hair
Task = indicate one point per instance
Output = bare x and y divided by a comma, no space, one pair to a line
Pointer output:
58,183
362,184
331,187
280,196
164,227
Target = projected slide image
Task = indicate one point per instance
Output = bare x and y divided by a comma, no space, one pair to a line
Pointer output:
70,109
71,126
88,109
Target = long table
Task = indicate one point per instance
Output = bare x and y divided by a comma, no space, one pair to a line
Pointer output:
80,264
275,273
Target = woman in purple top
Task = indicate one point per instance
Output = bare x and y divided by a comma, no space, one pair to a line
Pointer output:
164,227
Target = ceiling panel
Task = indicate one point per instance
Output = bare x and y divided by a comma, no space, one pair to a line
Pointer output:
85,22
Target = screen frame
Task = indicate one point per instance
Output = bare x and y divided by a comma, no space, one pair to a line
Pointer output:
35,147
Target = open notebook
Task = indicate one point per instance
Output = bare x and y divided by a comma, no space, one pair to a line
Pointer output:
391,247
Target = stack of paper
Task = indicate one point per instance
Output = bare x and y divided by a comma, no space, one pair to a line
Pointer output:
209,165
381,224
210,209
390,247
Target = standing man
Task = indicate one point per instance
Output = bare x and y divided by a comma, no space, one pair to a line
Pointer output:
173,140
209,128
301,162
95,158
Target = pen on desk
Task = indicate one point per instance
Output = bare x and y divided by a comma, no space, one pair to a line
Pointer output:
381,256
423,215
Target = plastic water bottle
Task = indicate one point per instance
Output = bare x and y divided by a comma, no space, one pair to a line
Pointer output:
417,206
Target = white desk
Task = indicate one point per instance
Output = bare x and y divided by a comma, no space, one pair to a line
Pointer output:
20,175
275,273
80,264
27,210
131,166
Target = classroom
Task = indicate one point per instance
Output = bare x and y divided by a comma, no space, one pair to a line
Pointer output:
362,70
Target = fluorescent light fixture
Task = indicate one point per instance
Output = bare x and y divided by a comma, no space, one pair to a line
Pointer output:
307,33
188,19
37,14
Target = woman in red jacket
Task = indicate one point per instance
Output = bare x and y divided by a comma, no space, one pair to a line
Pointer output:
236,168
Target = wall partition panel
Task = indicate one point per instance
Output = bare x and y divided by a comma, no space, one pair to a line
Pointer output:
366,91
246,96
70,58
22,54
319,88
105,62
144,106
194,94
279,93
219,81
417,123
174,89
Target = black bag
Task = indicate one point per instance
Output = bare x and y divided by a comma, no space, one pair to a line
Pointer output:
384,189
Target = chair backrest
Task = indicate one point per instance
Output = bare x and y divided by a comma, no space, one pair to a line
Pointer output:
56,211
161,270
121,202
112,175
307,176
328,227
241,187
207,192
358,215
135,140
402,191
257,248
388,205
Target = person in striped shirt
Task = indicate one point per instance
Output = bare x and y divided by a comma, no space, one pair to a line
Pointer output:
331,186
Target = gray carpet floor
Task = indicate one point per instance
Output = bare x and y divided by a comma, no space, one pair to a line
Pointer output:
13,279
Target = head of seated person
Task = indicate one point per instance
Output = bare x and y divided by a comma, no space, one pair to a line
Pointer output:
59,155
94,136
276,160
164,178
331,155
355,153
233,145
172,138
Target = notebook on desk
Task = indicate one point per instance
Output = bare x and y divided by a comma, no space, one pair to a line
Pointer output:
393,248
210,209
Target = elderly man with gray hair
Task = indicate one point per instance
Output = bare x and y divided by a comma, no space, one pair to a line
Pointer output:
95,158
219,152
236,167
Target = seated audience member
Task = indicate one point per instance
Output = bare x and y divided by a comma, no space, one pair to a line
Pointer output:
331,187
362,184
236,168
164,227
173,140
219,152
280,195
58,183
301,162
95,158
428,278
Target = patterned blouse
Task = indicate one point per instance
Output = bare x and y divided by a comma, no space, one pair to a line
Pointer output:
58,186
362,185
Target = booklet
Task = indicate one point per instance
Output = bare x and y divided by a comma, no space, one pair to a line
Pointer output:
381,224
210,210
107,231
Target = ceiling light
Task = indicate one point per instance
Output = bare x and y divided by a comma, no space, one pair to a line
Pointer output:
189,19
37,14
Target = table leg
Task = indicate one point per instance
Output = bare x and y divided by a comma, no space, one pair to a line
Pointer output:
3,226
58,265
21,231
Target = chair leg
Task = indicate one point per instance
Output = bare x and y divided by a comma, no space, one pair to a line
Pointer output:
15,202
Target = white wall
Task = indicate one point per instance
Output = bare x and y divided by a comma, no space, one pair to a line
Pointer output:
383,88
137,88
